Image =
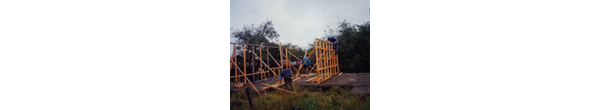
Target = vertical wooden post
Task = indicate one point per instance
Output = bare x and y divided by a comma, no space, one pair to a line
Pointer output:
280,58
261,68
244,62
325,60
251,49
268,62
317,46
329,60
287,59
235,61
246,78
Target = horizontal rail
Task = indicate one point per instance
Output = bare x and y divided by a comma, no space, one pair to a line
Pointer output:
327,67
266,46
248,74
324,48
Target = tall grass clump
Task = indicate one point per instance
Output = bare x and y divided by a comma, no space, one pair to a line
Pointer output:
309,98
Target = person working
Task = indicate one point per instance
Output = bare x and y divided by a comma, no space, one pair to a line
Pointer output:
335,44
286,75
306,62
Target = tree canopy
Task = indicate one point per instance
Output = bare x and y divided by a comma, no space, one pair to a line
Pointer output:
354,46
262,34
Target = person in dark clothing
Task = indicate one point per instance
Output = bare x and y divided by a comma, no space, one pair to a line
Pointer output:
335,44
286,75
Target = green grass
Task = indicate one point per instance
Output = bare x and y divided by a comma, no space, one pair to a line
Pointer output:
310,98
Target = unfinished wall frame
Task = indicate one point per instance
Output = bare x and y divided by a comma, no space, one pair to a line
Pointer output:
261,71
326,61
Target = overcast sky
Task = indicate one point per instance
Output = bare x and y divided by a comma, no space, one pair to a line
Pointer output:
298,21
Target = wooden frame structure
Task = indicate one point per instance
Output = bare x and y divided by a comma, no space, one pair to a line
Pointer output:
275,70
283,61
327,64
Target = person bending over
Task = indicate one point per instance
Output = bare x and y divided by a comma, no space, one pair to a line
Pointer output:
286,75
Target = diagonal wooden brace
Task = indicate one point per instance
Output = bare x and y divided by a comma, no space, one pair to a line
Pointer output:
246,77
304,62
265,64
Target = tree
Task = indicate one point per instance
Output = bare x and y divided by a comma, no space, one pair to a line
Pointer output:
354,46
260,35
256,35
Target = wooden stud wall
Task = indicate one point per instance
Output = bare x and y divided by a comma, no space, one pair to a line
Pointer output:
326,64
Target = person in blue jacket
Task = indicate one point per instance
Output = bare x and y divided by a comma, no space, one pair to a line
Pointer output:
306,62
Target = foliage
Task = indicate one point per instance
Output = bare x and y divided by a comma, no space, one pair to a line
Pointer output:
264,34
256,35
354,46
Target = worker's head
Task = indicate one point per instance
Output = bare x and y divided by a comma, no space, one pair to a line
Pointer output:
306,55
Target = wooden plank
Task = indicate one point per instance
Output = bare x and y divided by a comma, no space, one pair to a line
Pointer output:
318,64
273,58
308,80
296,57
265,64
327,67
245,77
323,80
265,45
261,68
328,49
235,61
301,65
274,85
239,84
280,55
304,63
287,60
312,68
294,68
249,74
280,89
244,49
307,75
252,64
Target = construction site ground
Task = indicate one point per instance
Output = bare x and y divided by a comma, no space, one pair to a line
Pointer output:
359,81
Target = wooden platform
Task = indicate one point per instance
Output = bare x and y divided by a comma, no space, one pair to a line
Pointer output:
360,90
360,81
